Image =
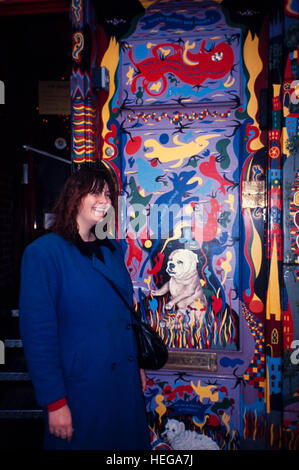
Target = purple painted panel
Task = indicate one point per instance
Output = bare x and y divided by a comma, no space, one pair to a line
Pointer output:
190,412
182,193
194,70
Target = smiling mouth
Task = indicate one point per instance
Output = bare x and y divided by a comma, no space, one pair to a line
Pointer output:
100,210
170,271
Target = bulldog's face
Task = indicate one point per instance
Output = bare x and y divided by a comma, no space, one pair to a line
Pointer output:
172,429
181,263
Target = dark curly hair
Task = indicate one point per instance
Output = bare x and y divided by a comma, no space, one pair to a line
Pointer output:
77,186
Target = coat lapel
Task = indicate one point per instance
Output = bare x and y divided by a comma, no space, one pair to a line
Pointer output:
113,268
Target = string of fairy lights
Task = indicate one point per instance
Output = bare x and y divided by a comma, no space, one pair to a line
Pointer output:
177,116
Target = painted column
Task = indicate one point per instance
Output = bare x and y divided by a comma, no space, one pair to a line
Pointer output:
83,107
290,225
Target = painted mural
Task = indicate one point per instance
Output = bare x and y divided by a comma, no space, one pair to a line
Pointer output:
289,183
180,210
209,207
206,407
180,143
189,71
181,170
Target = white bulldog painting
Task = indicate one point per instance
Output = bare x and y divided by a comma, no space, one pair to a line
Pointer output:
181,439
184,285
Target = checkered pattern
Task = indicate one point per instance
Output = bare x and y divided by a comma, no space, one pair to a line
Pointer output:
255,373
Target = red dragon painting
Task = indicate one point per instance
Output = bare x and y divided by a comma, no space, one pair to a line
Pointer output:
191,68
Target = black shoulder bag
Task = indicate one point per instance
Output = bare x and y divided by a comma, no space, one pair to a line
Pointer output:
152,352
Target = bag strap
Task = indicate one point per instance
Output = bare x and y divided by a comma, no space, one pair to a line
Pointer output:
123,299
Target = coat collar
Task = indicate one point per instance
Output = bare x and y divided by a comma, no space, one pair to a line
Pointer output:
113,268
108,260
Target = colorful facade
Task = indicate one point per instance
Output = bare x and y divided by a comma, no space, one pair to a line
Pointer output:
199,125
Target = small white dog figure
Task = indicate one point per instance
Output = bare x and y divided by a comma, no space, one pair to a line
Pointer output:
180,439
184,284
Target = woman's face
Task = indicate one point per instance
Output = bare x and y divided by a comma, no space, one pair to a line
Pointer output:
93,208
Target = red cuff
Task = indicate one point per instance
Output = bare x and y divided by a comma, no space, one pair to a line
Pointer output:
57,404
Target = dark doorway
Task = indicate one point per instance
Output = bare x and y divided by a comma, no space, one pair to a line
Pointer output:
33,49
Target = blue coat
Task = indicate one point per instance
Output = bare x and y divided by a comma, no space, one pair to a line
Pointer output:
79,343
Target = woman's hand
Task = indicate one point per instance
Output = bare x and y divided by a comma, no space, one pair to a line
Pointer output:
143,380
60,423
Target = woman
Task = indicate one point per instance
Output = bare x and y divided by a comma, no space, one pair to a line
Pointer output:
77,332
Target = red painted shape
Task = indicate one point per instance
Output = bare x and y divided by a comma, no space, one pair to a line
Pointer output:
211,226
209,169
157,266
213,64
133,145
